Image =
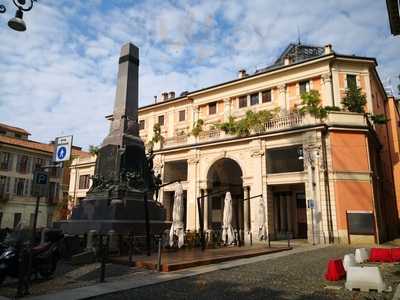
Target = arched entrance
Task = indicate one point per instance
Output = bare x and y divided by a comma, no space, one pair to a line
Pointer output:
224,175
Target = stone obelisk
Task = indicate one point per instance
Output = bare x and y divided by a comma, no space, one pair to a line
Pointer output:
123,176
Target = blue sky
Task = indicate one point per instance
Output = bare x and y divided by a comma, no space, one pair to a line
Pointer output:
58,77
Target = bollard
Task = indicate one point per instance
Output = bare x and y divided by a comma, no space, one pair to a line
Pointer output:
269,241
288,239
159,255
251,238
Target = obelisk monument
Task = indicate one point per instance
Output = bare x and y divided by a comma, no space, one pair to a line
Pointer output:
123,175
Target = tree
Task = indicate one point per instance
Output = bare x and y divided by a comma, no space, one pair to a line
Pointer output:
311,103
355,100
94,150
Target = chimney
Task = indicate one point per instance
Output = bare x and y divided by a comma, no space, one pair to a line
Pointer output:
242,73
328,49
286,61
164,96
171,95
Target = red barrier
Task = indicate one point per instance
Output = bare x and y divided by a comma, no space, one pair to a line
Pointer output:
381,255
335,270
396,254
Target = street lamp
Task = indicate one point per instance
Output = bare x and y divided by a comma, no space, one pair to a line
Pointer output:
17,23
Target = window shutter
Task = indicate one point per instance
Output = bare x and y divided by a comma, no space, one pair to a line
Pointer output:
26,187
7,188
10,163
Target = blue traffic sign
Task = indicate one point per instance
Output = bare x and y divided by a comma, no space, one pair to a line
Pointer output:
62,151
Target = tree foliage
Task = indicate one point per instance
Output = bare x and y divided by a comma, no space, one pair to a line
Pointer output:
93,150
311,103
253,122
197,127
157,136
355,100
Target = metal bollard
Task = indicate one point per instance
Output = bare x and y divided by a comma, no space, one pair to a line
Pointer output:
251,238
159,255
269,241
288,239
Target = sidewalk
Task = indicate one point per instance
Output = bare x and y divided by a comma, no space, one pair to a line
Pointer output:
156,278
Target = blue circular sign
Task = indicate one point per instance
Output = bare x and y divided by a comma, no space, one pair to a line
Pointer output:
61,152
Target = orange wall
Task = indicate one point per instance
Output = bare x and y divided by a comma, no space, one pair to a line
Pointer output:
351,195
349,152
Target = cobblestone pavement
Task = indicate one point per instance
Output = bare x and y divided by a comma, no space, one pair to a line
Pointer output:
297,276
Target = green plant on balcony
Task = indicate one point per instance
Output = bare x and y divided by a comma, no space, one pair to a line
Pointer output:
252,122
332,108
355,100
311,103
157,137
378,119
197,127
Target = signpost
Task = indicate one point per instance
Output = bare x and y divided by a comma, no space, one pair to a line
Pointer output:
62,148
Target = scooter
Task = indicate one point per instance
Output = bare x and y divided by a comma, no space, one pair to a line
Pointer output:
44,260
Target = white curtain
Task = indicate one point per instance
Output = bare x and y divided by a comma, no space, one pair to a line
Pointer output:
177,227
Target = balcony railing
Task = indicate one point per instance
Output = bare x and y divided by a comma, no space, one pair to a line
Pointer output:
176,140
210,134
289,121
277,124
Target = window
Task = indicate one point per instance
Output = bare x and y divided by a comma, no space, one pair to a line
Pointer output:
22,166
4,185
266,96
304,87
161,120
17,219
284,160
212,108
141,124
182,115
5,161
84,181
254,99
53,192
242,101
19,186
351,81
39,162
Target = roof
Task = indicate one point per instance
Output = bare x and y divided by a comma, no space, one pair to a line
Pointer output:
306,55
33,145
14,129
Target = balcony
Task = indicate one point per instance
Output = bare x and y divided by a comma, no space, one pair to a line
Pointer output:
290,121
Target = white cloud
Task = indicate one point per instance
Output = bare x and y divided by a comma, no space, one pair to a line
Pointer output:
59,76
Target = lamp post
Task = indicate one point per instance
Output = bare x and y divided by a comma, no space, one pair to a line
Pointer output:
17,23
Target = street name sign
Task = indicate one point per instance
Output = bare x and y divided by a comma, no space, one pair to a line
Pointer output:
62,148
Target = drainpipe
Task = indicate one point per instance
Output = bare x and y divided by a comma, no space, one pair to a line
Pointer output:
327,188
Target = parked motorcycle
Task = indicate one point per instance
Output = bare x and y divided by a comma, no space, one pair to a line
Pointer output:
44,258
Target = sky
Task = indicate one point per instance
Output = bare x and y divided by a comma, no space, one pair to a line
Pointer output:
59,77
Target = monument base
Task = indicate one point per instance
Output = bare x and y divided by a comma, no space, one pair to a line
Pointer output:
121,211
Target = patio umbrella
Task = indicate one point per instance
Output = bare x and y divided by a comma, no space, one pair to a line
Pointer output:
227,230
177,227
262,232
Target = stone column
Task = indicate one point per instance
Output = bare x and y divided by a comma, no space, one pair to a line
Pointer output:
328,91
246,211
282,98
227,109
192,192
205,210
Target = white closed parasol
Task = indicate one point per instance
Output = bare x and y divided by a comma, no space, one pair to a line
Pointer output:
177,227
262,231
227,230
